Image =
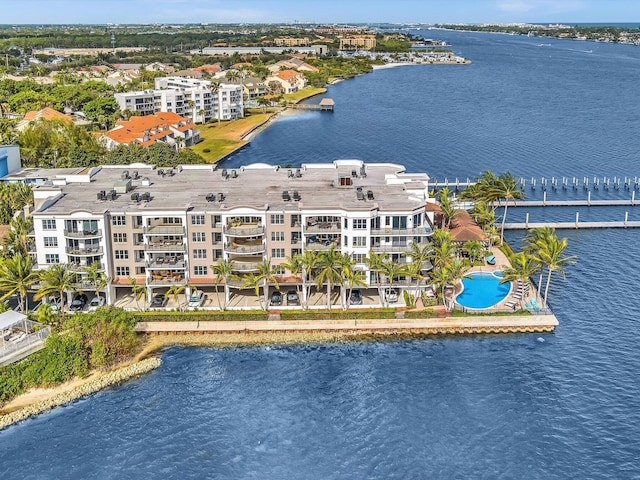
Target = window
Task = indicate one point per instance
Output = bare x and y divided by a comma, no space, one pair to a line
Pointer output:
217,220
122,271
197,220
216,238
277,219
280,271
217,254
52,258
277,253
50,242
199,253
48,224
417,220
359,241
122,254
200,270
118,220
359,223
277,236
359,257
198,237
119,238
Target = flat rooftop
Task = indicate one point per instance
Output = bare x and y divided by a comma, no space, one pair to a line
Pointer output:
257,186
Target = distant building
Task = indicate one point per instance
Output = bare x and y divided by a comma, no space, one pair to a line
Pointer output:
289,80
188,97
228,51
164,127
362,41
46,113
292,63
291,42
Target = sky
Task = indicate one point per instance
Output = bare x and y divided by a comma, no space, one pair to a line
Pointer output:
317,11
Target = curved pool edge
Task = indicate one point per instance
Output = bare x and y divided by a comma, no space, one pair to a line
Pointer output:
493,274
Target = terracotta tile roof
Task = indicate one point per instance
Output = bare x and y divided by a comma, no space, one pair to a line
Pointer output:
207,68
464,228
149,129
47,113
288,75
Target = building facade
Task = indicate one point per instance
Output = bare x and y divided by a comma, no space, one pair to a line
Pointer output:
166,227
198,99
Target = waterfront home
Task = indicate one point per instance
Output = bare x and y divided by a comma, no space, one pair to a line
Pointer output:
290,81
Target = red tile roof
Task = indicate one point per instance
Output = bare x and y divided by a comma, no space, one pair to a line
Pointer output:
149,129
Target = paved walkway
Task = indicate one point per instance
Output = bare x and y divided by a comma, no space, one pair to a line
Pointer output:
479,324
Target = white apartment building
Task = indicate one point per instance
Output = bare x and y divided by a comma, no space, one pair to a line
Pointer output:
166,227
198,99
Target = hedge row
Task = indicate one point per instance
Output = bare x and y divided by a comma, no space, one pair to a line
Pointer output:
201,316
384,313
426,313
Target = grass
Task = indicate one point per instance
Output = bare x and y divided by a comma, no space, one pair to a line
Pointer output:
221,140
306,92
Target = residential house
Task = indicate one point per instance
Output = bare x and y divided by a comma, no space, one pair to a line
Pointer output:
290,81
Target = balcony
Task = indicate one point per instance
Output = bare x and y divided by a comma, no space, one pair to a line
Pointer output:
159,280
165,246
424,230
245,266
166,263
323,227
244,230
83,251
233,247
81,267
392,248
164,230
83,233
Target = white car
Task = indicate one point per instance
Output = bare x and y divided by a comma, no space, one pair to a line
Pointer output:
391,295
96,302
196,298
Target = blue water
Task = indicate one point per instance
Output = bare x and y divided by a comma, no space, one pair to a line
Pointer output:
482,290
554,406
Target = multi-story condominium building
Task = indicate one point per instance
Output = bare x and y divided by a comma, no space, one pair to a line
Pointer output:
198,99
165,227
362,41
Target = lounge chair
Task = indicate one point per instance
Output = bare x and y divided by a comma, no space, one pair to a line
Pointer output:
511,305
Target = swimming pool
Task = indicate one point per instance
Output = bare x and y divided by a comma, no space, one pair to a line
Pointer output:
483,290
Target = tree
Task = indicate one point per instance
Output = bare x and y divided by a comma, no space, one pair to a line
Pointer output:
17,277
505,189
57,280
448,207
267,274
16,243
100,106
223,270
264,103
523,267
295,266
96,278
139,291
474,249
392,270
175,291
533,240
353,278
329,271
309,260
420,258
551,254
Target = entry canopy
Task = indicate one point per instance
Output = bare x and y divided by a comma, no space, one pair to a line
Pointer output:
10,318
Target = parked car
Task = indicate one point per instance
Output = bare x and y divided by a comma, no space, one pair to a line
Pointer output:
293,298
158,301
276,299
96,302
356,297
54,303
196,298
78,302
391,295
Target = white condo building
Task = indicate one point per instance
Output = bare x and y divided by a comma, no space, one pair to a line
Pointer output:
188,97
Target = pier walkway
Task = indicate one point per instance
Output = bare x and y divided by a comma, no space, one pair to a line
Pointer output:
325,105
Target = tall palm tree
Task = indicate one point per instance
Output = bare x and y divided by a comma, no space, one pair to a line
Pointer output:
175,291
16,242
374,261
310,261
223,270
536,237
507,189
96,278
482,214
58,279
551,254
267,274
474,248
353,278
329,271
392,269
17,277
251,280
139,291
295,266
420,257
448,207
523,267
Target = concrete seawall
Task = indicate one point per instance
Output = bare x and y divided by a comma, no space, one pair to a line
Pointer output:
435,326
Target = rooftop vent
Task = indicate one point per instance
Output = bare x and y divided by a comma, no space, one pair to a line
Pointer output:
102,195
370,195
122,186
285,196
211,197
146,196
360,194
160,171
135,175
125,175
146,182
298,173
220,197
135,197
225,175
112,195
234,174
296,196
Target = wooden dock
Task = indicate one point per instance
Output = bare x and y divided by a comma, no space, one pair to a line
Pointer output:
325,105
570,225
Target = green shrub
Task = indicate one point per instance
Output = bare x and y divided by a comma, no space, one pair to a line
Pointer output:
384,313
201,316
427,313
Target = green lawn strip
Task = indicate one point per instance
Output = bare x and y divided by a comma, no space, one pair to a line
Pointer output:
303,94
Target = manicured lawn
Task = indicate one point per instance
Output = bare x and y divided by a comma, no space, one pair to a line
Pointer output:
221,140
306,92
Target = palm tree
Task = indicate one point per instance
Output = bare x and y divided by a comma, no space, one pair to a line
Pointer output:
264,103
295,266
267,274
58,279
482,214
551,254
329,271
223,270
474,248
97,279
353,278
448,207
456,272
420,257
16,242
17,277
175,291
374,261
309,260
251,280
392,269
523,267
139,291
533,240
507,189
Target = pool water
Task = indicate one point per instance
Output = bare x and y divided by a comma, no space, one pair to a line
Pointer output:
483,290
